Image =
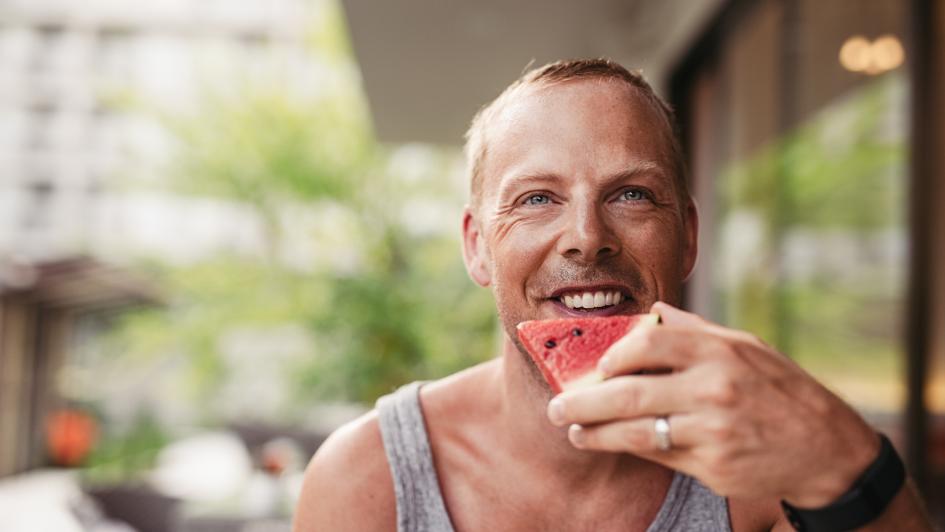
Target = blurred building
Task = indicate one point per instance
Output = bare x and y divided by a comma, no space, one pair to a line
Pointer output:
82,89
40,305
814,137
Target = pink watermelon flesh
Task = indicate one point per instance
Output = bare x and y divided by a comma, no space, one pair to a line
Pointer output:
567,350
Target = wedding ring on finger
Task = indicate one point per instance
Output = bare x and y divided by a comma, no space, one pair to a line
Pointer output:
661,428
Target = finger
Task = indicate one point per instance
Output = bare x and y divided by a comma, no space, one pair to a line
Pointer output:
622,397
636,436
683,340
755,351
650,348
671,315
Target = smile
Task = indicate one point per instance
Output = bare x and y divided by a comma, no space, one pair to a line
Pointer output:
591,300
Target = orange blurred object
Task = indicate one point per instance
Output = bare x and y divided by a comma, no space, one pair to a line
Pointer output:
70,436
279,455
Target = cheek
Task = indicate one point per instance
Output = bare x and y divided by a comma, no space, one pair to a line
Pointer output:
658,245
519,249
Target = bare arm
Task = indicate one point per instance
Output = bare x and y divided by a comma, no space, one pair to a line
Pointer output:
347,484
905,512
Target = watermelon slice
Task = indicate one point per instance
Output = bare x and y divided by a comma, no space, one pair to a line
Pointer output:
567,350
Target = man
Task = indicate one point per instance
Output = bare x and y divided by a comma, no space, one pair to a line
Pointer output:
577,188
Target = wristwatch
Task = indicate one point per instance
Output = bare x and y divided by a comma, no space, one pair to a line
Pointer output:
862,503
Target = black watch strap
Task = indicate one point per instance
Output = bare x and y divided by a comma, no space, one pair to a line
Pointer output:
862,503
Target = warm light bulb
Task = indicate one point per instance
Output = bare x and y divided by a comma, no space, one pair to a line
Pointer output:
855,54
858,54
887,53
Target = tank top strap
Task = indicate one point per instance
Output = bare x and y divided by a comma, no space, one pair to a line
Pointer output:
690,506
420,505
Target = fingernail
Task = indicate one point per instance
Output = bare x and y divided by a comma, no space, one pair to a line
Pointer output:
576,434
603,365
556,411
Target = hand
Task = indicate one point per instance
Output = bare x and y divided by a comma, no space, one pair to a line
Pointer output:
745,420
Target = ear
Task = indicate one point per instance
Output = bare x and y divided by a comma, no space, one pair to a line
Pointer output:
474,250
692,239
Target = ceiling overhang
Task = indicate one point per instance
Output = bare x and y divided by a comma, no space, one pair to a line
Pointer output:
428,65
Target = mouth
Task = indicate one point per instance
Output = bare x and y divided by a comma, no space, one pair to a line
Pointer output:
593,301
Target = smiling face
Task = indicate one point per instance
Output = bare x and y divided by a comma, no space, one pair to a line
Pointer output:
579,213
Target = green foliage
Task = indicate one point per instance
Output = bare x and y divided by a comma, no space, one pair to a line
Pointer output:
837,171
404,310
834,182
121,456
206,300
385,326
405,319
264,149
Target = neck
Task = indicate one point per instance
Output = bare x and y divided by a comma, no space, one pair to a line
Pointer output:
524,401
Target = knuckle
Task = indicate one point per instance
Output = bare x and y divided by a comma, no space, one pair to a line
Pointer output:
720,429
631,398
757,341
634,438
822,404
726,393
745,337
721,392
722,349
754,339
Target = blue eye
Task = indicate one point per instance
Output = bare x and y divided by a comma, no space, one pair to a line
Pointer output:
633,194
537,199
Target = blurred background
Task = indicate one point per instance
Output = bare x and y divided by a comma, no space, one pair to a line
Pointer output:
227,227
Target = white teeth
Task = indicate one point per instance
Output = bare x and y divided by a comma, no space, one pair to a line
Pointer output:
592,299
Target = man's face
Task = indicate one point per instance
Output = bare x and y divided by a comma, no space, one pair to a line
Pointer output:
579,214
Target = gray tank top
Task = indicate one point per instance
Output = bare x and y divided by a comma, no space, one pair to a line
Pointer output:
689,506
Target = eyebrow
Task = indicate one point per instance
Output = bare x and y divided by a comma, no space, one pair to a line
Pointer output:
645,168
527,178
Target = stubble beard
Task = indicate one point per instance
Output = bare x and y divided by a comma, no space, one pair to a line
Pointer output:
566,274
510,323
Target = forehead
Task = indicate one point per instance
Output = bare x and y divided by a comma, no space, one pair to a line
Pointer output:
576,128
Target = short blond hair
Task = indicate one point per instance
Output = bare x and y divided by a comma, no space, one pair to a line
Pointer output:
477,147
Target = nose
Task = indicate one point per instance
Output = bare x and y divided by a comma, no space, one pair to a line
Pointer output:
588,236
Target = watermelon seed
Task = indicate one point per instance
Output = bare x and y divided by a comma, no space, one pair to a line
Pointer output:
576,332
550,343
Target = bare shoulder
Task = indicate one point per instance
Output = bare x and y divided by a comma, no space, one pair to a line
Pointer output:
756,515
348,484
457,399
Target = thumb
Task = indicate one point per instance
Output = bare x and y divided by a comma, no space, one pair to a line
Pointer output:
671,315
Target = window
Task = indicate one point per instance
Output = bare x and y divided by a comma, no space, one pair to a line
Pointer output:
799,160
